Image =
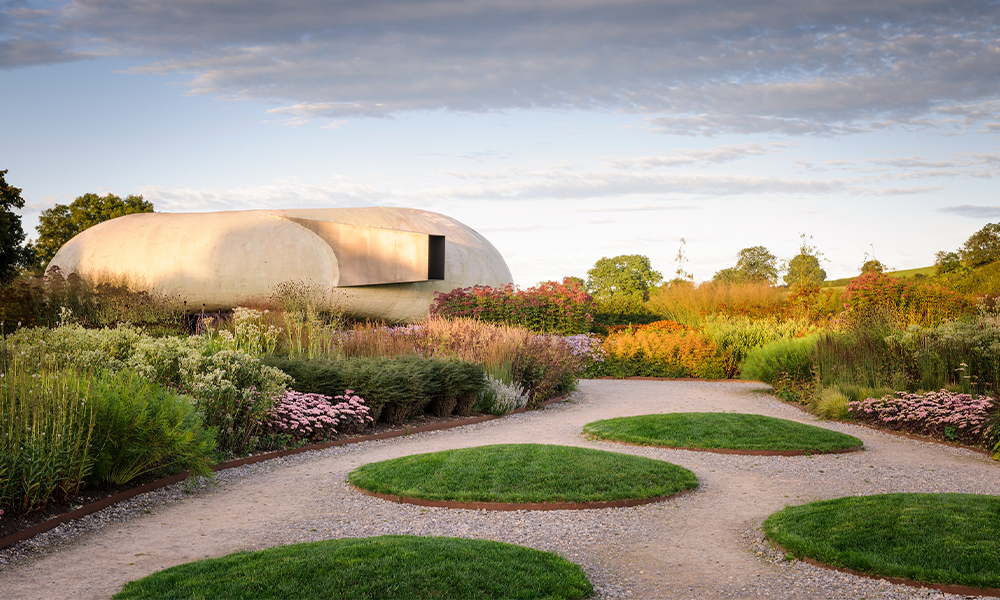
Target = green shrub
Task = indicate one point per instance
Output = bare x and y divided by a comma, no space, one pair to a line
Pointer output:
736,337
45,435
232,390
791,358
140,427
395,389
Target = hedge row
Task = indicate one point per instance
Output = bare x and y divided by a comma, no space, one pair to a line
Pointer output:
395,389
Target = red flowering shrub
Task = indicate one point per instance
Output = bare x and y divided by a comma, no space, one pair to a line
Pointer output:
549,307
905,302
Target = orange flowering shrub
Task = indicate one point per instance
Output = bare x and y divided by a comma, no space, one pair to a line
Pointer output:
666,326
666,351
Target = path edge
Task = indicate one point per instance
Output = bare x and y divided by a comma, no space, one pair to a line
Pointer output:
83,511
511,506
948,588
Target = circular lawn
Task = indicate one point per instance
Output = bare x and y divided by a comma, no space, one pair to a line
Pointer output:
378,567
524,474
937,538
729,431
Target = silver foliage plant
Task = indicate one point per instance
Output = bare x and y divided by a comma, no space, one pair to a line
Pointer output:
503,397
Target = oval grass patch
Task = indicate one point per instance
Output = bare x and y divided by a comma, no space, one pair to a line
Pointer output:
937,538
730,431
376,567
524,473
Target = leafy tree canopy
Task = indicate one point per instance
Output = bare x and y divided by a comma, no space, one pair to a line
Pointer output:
60,223
754,264
803,271
946,262
983,247
757,264
627,278
730,275
872,266
11,234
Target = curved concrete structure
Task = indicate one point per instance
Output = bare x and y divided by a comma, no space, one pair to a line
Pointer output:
385,263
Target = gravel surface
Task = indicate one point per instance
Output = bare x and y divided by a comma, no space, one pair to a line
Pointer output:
703,545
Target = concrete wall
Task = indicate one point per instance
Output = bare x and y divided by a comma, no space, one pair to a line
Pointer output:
221,259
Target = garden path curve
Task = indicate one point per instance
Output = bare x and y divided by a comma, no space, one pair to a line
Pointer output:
702,545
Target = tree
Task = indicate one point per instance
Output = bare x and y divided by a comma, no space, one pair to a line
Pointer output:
872,265
753,265
58,225
756,264
623,280
681,277
803,271
946,262
12,253
730,275
983,247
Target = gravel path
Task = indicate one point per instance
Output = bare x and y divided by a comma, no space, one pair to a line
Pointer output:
703,545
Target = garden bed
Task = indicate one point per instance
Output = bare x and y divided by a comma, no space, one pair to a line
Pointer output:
14,528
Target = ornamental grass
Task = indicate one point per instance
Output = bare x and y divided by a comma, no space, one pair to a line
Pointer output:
660,353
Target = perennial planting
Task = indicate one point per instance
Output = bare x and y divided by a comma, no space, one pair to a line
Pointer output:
316,417
958,417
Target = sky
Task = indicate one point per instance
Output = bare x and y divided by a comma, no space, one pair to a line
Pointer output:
564,131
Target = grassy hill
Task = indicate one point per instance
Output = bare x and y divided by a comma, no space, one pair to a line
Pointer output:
905,273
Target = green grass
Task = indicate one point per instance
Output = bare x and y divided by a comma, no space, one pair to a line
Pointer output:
904,273
720,430
378,567
938,538
520,473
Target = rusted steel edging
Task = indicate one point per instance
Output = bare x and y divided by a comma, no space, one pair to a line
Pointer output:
83,511
509,506
961,590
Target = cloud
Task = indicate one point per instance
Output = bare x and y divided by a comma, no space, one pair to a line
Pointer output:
687,66
959,164
288,193
976,212
645,208
513,228
717,155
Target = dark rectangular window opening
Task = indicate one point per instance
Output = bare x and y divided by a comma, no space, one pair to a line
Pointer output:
435,258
